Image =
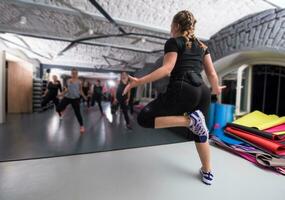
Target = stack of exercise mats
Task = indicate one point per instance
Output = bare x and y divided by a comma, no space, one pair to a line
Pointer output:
256,137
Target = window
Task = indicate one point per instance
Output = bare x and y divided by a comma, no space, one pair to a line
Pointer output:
238,90
268,84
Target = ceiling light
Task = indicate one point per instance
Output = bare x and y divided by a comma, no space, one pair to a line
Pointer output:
91,31
111,83
143,40
23,20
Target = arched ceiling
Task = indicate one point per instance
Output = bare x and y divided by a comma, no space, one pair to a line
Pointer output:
212,15
71,19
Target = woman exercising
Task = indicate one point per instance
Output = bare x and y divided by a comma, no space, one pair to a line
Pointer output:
51,92
187,98
71,95
97,95
86,91
123,99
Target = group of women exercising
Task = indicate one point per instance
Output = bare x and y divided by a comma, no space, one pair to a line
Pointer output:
75,90
186,101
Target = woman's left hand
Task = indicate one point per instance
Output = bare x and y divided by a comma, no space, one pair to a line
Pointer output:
218,90
134,82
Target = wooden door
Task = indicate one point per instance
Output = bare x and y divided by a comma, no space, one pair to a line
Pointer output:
20,87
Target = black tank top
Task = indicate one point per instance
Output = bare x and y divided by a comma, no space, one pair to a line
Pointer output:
120,90
189,61
53,88
85,89
188,58
97,91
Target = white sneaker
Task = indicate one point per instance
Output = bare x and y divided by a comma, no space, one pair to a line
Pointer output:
206,177
198,125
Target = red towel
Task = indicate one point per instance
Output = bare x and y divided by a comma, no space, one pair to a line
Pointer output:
274,147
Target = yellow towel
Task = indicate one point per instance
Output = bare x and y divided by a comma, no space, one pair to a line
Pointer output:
255,119
279,133
271,123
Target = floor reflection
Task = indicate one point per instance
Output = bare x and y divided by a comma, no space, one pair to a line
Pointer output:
108,114
43,134
53,133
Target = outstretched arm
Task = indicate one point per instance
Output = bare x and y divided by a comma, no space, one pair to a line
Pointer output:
169,61
64,91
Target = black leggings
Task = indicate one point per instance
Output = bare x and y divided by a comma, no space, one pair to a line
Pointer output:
48,98
75,103
124,108
98,100
87,100
179,98
131,105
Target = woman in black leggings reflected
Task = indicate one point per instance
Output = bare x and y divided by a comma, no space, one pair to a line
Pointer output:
51,92
86,91
71,95
187,98
97,95
123,99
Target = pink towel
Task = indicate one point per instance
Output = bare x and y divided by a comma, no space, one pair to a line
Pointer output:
277,128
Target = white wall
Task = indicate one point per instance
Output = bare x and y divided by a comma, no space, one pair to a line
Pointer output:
19,54
2,86
233,61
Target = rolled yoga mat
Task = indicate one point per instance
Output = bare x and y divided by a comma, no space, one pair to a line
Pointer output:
272,147
224,114
264,134
211,117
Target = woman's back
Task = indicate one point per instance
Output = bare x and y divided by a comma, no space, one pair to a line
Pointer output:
188,59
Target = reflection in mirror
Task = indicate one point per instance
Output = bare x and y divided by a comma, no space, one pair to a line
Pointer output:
73,102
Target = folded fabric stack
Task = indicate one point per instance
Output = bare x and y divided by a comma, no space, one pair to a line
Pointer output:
261,139
254,155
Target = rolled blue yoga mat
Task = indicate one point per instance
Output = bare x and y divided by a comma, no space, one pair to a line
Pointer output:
211,117
223,114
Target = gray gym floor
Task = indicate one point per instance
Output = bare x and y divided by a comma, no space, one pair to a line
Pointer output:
40,135
163,172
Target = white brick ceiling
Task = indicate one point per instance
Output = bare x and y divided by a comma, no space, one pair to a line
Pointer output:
81,55
212,15
71,19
